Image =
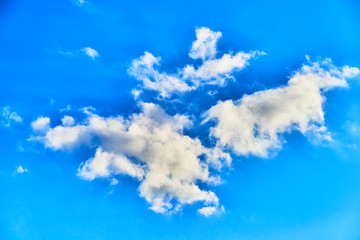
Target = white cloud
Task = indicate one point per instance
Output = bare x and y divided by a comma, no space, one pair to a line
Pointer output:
255,123
136,93
67,121
143,69
92,53
149,147
41,124
65,137
213,71
207,211
217,71
173,168
105,164
350,72
7,117
205,44
20,170
211,210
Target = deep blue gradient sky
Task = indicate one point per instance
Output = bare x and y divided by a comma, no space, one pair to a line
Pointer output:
307,191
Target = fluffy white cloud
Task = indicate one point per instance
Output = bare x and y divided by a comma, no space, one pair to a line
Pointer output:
92,53
205,44
213,71
350,72
41,124
149,147
143,69
136,93
255,123
217,71
7,117
105,164
207,211
67,121
173,168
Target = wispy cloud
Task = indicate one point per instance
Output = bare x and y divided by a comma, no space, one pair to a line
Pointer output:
20,170
92,53
204,46
68,121
67,108
8,117
212,71
67,53
80,2
114,182
87,51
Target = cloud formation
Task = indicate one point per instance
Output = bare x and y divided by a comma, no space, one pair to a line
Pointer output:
68,121
255,124
212,71
173,168
144,69
149,147
204,46
41,124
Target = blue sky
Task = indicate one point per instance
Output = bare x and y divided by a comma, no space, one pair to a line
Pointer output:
243,129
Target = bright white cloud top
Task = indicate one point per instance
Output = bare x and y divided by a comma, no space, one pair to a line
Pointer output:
41,124
205,44
170,166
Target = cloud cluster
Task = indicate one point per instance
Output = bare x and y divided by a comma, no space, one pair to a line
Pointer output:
149,147
204,46
255,123
212,71
174,169
41,125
